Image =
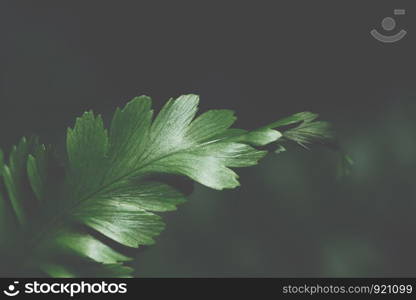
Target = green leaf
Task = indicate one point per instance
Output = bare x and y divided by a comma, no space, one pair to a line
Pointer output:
131,203
172,144
113,189
37,171
87,146
259,137
307,131
87,246
15,178
128,135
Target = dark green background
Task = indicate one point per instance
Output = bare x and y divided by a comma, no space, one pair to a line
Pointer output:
291,217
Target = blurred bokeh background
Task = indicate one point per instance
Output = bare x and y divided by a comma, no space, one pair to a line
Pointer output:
291,216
